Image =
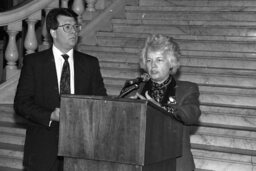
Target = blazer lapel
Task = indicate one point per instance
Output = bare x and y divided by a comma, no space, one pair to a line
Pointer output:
170,92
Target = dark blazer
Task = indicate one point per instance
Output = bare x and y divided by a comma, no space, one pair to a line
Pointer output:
186,111
37,96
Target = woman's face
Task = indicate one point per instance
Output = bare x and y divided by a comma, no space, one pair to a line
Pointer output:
158,66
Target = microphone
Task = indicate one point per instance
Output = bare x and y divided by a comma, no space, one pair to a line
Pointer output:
143,78
128,90
133,84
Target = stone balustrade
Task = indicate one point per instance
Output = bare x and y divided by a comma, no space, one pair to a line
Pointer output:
31,43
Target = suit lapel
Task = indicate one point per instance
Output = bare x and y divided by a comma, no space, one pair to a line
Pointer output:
50,73
79,73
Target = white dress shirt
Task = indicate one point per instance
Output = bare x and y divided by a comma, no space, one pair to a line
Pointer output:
59,61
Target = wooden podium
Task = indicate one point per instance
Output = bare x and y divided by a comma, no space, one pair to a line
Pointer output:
110,134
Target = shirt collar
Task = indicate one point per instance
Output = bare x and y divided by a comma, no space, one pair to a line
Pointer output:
58,53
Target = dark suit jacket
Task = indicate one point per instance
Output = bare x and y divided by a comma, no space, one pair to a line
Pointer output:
37,96
187,111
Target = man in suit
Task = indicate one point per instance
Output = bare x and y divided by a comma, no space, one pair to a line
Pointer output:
41,85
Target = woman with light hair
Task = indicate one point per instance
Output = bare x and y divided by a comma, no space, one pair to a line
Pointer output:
160,60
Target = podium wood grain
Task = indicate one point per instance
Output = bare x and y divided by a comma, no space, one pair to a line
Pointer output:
93,165
116,133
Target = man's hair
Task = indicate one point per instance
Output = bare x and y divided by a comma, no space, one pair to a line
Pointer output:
52,21
165,44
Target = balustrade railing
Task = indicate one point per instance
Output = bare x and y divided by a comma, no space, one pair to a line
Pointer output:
31,13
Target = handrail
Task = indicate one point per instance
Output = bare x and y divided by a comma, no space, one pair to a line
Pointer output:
20,4
22,12
102,19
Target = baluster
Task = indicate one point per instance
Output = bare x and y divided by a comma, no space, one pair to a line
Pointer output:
78,7
64,3
11,52
30,39
91,5
45,33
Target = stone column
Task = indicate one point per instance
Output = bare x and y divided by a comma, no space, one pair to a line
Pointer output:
91,5
78,7
11,52
30,39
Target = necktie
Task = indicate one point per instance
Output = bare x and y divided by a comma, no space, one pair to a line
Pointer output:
65,76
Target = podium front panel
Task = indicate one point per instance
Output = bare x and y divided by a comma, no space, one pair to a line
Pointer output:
117,130
102,129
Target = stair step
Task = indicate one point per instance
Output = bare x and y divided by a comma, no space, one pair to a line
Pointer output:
120,65
218,79
227,95
85,48
12,131
221,161
11,157
167,22
232,91
206,76
132,2
235,91
194,61
104,56
184,44
119,73
229,140
120,41
12,118
12,147
9,116
202,169
199,30
214,54
191,8
11,163
134,50
206,98
192,16
11,154
12,138
223,106
200,3
228,116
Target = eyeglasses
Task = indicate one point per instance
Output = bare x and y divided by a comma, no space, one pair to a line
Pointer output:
68,28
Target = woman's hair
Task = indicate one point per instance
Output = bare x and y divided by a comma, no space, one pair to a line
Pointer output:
165,44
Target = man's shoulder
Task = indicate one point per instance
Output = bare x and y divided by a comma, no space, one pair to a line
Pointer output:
84,55
40,54
38,57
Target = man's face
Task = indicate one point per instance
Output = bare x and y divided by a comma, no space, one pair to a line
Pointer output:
64,41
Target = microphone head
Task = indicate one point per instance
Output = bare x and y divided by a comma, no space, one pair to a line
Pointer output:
145,77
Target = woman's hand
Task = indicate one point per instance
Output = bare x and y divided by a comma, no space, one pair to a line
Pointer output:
147,97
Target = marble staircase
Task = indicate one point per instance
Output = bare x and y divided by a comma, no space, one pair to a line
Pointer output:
217,40
1,57
12,130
